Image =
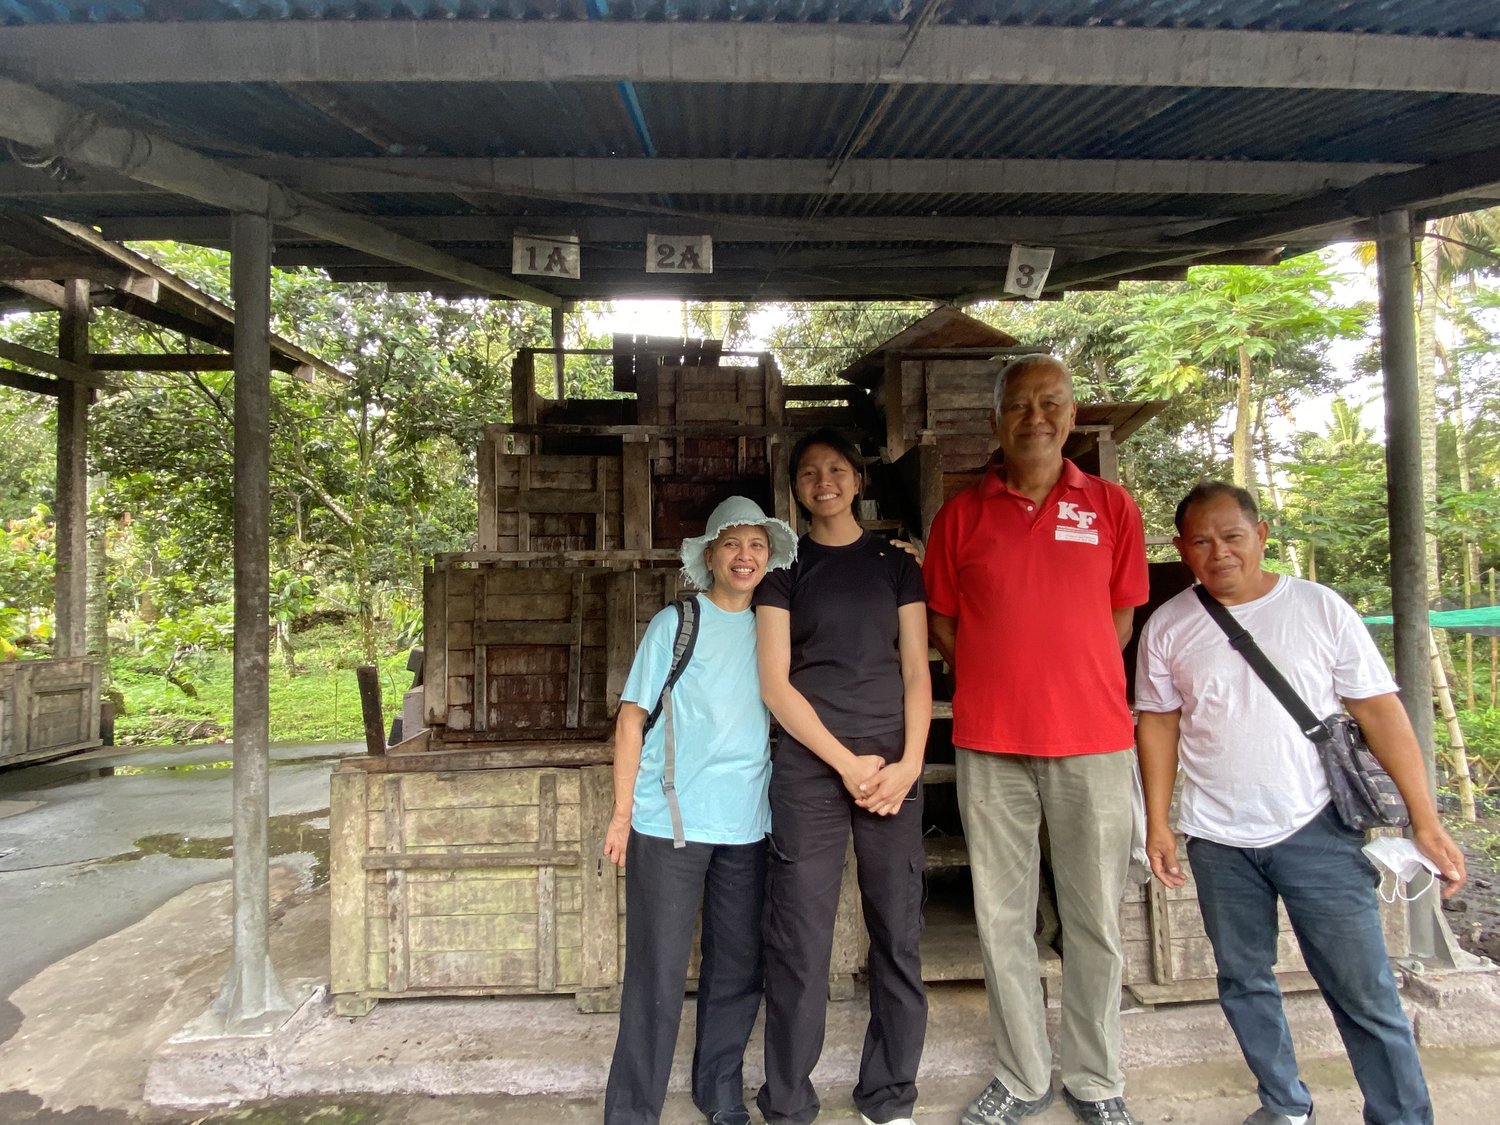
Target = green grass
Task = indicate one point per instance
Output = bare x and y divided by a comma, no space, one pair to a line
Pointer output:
321,704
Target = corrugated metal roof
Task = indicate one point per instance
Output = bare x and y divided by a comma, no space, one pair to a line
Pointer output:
1392,17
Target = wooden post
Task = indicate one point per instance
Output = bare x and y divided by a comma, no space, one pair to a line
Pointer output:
635,492
369,704
71,583
252,1001
895,407
559,333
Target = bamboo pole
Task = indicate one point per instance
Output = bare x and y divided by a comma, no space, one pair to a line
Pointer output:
1494,650
1458,751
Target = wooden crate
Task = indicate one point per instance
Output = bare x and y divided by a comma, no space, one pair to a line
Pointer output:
515,652
519,653
549,503
727,399
1176,961
48,708
483,881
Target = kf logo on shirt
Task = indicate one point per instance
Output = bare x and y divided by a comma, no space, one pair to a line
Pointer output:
1067,511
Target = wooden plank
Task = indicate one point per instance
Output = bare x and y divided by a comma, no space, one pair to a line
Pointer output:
849,938
398,963
619,615
524,633
486,462
575,654
459,861
600,958
546,888
1206,988
895,408
481,672
347,883
602,489
435,646
635,482
550,501
1161,933
1109,458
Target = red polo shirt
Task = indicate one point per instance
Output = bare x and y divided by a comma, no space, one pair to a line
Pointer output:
1038,665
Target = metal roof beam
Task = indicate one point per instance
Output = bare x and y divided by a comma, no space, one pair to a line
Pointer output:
735,52
50,125
989,229
572,178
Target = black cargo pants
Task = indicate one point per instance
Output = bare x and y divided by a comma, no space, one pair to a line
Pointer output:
812,816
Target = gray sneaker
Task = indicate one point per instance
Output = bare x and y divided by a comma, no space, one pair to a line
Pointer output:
738,1116
1264,1116
1107,1111
996,1105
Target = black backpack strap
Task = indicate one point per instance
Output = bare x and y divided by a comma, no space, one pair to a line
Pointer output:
1242,642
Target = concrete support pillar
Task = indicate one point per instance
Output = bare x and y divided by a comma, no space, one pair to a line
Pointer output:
72,499
1403,466
252,1001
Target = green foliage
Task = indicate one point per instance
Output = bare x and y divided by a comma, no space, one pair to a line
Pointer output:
27,564
1177,338
320,704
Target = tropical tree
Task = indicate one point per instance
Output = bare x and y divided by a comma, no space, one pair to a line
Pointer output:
1235,319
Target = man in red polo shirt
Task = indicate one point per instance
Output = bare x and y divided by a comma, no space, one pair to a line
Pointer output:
1032,577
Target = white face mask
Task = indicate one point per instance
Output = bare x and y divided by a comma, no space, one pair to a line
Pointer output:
1398,856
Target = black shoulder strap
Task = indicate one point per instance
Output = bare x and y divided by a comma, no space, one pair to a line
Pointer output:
682,650
1243,643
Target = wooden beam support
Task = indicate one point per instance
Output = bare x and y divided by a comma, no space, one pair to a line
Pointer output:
13,270
562,51
167,361
47,123
56,365
26,381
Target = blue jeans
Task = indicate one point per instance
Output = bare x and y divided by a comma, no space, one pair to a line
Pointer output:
1329,890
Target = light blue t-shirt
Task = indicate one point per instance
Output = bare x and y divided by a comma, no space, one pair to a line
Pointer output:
721,728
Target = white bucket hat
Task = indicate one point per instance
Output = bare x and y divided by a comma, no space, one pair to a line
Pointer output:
737,511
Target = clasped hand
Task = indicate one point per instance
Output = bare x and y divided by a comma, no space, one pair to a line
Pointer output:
884,791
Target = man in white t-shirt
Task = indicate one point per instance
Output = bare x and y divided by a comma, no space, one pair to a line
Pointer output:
1255,805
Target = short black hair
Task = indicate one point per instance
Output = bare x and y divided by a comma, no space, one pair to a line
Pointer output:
1211,490
836,440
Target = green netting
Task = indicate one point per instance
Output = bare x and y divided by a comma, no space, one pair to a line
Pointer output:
1480,618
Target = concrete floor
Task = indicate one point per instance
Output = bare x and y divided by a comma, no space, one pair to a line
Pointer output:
114,927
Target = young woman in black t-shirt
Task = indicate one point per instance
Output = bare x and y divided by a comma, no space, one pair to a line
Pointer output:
842,643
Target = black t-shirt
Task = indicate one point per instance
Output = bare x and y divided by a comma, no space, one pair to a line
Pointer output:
845,655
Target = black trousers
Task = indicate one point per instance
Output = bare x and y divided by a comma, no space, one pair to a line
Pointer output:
812,816
664,887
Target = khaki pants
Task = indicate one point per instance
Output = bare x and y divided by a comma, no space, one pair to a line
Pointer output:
1086,802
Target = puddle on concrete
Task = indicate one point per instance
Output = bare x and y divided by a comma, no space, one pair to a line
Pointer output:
287,835
52,776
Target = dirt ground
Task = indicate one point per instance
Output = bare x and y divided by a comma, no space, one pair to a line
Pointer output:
1474,913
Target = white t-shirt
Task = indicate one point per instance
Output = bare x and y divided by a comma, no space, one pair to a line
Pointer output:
1250,776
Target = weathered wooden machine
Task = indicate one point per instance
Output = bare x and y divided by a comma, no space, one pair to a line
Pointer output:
467,860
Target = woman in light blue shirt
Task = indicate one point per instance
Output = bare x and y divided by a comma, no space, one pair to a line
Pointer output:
689,826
